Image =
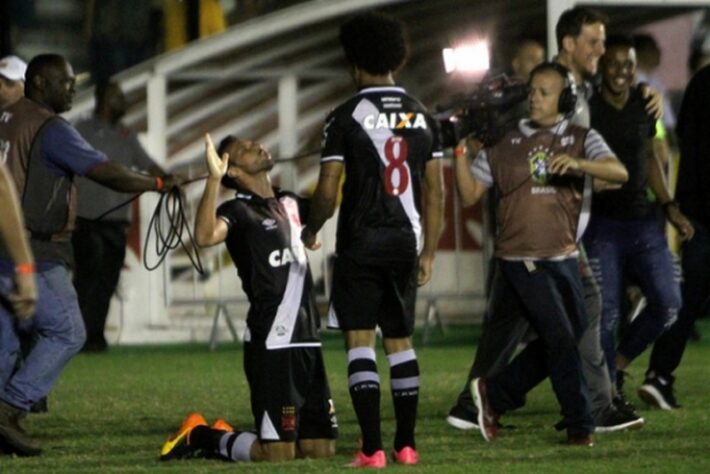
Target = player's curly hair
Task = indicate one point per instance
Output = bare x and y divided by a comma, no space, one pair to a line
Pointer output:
374,42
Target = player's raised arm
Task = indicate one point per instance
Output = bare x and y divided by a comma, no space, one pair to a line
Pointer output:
209,230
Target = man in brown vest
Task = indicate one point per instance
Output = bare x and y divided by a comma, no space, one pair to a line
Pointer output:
44,153
539,171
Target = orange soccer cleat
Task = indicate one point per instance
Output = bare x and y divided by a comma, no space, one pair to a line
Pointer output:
178,446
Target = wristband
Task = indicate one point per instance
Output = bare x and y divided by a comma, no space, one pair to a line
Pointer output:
159,183
25,268
668,204
460,151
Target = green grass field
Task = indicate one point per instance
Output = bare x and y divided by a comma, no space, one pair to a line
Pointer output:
111,413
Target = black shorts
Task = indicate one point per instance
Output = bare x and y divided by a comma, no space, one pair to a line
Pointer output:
365,296
290,396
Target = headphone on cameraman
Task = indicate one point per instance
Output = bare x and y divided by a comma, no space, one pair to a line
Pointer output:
568,96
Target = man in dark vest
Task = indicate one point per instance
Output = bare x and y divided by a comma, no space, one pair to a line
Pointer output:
44,153
539,172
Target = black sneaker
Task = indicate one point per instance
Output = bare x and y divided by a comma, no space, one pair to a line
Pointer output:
618,420
463,418
658,392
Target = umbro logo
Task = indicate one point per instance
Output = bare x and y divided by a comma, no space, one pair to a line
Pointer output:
269,224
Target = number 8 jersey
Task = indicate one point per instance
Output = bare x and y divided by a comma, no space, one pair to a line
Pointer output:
384,137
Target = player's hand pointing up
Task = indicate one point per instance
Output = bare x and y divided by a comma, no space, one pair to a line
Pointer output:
217,166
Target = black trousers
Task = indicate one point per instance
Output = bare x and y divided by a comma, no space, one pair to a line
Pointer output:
669,348
99,250
550,296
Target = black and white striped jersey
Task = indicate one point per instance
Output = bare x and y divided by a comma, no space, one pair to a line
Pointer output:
264,241
384,137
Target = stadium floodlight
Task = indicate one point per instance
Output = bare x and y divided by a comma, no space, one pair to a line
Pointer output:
468,58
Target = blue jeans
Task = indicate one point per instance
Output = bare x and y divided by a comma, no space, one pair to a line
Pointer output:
668,349
636,248
59,331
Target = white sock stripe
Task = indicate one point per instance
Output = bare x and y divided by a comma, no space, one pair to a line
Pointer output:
223,442
360,377
397,358
405,383
361,353
241,450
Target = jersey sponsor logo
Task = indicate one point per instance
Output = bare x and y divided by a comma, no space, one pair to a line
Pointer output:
394,121
516,141
279,258
269,224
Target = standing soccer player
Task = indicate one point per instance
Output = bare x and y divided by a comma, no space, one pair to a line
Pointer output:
387,145
290,397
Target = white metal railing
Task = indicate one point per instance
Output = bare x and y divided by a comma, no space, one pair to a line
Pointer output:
199,62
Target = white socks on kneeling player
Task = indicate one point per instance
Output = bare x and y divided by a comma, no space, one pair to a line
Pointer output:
237,446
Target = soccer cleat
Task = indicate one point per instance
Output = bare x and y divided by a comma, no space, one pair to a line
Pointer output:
178,446
407,456
618,420
487,417
221,425
377,460
462,419
658,392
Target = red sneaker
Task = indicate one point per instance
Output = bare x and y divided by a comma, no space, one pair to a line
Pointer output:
406,455
377,460
487,417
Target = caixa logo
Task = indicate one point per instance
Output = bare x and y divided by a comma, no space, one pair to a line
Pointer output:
279,258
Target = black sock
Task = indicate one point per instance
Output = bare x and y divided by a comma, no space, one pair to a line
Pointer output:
204,437
364,383
404,380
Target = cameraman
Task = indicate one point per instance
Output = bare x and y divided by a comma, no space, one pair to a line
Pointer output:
539,171
580,39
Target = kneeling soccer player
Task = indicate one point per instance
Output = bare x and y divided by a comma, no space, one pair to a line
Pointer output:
290,397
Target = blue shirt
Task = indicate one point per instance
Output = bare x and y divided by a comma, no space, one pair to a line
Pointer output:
66,153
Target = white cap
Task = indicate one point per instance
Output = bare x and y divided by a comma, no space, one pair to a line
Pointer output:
13,68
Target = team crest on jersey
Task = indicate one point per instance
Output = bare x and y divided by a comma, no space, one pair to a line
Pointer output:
394,120
288,418
538,160
269,224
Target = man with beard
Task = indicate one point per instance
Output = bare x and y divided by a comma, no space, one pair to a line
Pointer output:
44,153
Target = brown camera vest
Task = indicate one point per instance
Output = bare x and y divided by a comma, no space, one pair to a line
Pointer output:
48,200
538,213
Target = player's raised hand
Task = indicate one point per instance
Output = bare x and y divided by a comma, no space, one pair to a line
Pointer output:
217,166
